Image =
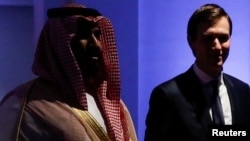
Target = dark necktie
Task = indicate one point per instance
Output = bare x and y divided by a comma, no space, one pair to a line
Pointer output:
218,117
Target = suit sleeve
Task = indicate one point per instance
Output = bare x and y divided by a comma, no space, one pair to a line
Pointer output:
158,120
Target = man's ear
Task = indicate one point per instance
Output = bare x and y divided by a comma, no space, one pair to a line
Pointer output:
191,44
74,42
189,39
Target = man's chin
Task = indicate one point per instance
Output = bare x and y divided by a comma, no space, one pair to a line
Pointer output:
219,65
217,70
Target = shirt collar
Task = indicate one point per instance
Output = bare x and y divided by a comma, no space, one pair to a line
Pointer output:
205,78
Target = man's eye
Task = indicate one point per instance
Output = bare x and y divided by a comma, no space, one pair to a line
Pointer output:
223,38
85,35
208,39
97,34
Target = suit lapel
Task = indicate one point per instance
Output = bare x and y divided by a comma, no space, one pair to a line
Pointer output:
231,91
196,97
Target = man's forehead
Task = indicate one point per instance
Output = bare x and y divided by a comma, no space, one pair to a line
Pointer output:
221,26
86,23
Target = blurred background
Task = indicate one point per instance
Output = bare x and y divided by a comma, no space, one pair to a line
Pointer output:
150,36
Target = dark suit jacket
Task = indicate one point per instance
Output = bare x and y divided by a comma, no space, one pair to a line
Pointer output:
178,108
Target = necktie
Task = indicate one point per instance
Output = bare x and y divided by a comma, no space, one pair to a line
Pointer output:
217,113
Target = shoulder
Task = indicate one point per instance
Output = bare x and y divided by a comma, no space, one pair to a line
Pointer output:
175,87
11,108
181,80
18,93
233,81
168,89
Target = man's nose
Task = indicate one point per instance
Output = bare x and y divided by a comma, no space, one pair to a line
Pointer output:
217,44
94,41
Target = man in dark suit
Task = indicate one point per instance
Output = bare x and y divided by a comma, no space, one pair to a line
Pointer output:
183,107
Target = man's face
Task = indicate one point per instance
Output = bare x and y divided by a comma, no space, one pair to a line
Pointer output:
211,46
87,49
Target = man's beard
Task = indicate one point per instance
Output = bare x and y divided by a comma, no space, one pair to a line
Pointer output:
90,66
91,62
89,59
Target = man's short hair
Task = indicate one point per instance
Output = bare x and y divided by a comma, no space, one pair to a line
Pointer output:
207,14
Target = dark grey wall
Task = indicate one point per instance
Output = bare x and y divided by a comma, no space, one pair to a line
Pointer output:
16,48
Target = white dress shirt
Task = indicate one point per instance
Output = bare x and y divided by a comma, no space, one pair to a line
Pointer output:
223,94
94,111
